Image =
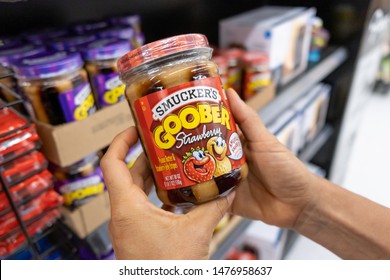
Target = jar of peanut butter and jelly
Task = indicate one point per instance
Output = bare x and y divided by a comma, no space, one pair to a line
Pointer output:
183,119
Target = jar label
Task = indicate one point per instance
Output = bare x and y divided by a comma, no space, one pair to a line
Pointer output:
76,190
77,104
109,89
189,133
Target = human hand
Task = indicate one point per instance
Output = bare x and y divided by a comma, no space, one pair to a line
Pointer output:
278,187
141,230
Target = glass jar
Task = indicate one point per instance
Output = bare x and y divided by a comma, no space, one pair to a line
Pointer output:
56,86
71,43
7,57
80,181
234,71
256,73
101,59
184,120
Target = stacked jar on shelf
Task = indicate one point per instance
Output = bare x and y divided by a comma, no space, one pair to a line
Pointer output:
247,72
66,75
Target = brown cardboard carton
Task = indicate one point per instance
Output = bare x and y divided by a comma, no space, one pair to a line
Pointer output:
68,143
88,217
261,99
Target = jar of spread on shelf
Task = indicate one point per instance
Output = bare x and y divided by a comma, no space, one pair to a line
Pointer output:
80,181
71,43
56,86
256,73
8,55
234,70
184,119
101,64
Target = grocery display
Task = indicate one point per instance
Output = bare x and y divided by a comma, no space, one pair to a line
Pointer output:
80,181
74,99
282,32
101,64
56,86
28,203
184,119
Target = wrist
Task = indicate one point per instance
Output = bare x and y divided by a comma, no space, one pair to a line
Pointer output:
310,213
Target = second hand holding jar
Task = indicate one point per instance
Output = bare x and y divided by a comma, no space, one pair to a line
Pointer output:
183,118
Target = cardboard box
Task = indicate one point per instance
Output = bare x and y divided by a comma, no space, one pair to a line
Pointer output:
283,33
287,128
313,108
261,99
88,217
68,143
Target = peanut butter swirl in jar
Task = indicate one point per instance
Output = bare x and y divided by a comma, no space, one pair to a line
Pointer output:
183,118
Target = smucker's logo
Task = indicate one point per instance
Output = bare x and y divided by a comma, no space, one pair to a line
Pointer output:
195,110
184,97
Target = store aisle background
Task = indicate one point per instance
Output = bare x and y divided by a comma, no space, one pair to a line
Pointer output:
367,173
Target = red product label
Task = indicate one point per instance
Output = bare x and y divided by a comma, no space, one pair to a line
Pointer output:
190,133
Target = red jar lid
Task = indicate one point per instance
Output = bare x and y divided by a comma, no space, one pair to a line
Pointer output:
161,48
255,57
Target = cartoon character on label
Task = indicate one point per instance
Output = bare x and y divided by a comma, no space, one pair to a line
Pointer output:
198,165
217,148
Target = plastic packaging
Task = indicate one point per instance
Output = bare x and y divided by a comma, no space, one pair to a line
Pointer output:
22,167
79,182
184,120
30,211
10,122
27,189
16,240
101,64
41,37
18,143
56,86
256,73
234,71
71,43
7,58
135,22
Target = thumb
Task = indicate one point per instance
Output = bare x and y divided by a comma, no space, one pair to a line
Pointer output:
212,212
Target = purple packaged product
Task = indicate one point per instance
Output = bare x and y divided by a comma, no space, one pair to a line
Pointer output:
132,20
48,64
76,191
101,57
121,32
88,27
56,86
71,43
80,181
10,54
40,37
9,42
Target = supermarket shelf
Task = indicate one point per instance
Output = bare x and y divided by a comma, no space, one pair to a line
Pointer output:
224,239
221,244
284,99
312,148
303,83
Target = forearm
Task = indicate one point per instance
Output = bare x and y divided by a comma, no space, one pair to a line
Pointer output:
349,225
